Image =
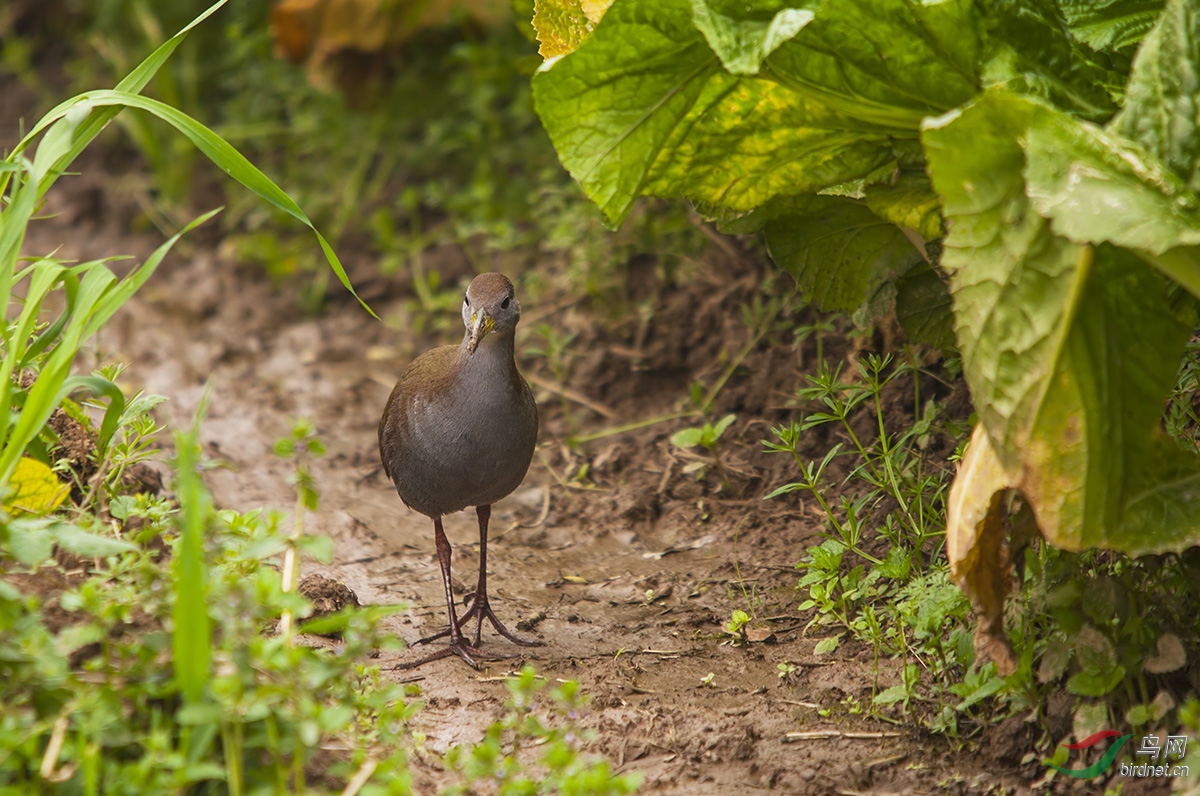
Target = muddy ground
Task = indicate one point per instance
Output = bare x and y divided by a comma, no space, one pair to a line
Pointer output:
626,576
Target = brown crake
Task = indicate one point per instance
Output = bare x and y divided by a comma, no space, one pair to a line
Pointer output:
459,430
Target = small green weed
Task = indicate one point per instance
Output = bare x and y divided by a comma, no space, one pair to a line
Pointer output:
1099,625
500,763
707,436
878,573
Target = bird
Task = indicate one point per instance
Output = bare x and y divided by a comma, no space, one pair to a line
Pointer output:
459,430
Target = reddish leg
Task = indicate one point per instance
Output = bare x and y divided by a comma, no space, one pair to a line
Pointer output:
480,605
458,646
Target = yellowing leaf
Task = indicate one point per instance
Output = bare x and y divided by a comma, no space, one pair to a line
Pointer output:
563,25
35,489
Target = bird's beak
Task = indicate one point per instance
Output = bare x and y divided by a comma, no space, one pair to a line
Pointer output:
481,324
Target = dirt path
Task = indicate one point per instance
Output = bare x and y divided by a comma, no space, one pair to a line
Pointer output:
628,584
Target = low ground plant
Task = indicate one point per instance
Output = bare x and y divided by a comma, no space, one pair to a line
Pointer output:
1109,630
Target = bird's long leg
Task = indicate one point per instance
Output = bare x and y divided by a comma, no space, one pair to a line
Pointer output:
458,645
480,606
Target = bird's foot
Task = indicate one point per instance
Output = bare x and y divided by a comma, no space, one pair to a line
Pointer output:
483,610
468,600
457,647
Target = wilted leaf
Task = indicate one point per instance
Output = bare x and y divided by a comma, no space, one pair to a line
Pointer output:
975,546
35,489
315,31
1171,655
758,635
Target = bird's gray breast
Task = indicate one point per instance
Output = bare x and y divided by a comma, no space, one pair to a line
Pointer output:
471,444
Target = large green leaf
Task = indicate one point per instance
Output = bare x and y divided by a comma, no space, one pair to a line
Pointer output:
1069,349
1096,187
1162,101
643,107
1100,471
840,252
1002,258
743,33
1100,185
1030,50
888,62
1110,24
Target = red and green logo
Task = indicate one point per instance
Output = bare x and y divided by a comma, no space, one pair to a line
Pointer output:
1101,765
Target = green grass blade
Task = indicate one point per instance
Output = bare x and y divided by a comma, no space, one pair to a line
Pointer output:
124,290
225,157
99,386
191,637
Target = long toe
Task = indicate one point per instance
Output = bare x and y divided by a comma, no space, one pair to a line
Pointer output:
485,610
462,620
459,648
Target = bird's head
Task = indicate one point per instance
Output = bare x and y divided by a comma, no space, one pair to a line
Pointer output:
490,306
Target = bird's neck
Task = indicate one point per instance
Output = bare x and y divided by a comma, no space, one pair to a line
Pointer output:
495,353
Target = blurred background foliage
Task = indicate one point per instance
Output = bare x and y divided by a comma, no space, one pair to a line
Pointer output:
399,127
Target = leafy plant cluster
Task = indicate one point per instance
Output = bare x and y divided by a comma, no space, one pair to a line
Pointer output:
1034,134
499,763
1108,629
140,688
1015,179
880,574
132,691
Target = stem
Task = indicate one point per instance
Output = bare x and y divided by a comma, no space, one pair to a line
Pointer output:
634,426
291,568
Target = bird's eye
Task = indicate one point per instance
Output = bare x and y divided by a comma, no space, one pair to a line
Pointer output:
467,300
504,304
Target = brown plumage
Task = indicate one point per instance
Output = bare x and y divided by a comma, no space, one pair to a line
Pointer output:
459,430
